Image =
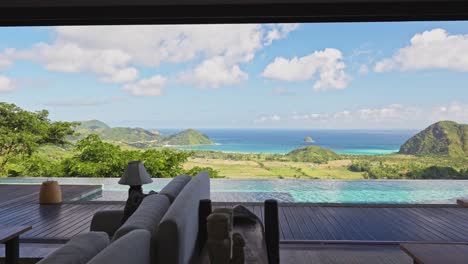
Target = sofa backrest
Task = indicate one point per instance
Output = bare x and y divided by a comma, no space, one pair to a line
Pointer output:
175,186
177,235
79,250
131,248
147,216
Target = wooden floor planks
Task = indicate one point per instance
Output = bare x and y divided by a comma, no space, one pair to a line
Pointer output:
19,206
429,224
342,254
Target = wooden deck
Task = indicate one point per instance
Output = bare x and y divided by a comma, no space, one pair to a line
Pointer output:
372,223
342,254
367,223
289,254
29,193
60,222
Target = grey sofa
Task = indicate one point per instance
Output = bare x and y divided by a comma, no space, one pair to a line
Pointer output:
109,221
166,228
94,248
180,234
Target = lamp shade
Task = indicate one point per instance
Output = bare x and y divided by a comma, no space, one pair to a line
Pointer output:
135,174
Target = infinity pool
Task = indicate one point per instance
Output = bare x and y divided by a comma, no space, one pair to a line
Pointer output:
319,191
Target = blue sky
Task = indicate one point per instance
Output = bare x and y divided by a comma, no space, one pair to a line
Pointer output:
334,76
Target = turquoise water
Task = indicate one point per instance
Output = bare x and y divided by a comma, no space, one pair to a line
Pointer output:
318,191
280,141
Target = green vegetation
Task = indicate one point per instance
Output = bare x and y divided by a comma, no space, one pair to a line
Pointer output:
22,132
92,157
32,145
312,154
187,137
138,137
95,158
114,134
442,138
410,167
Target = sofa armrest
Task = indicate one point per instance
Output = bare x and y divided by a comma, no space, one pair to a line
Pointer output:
272,231
107,221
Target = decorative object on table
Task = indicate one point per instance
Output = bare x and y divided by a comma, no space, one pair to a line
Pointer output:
50,193
248,240
238,244
236,236
219,228
242,215
135,176
224,246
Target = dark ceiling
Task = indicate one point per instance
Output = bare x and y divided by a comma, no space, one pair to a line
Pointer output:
98,12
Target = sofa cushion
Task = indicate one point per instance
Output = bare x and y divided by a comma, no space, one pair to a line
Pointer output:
175,186
79,250
147,216
176,239
132,248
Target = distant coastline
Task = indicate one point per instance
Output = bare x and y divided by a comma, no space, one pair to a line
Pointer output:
274,141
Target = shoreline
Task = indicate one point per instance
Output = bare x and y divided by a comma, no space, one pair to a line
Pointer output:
339,152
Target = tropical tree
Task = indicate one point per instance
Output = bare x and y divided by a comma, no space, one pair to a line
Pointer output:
96,158
22,132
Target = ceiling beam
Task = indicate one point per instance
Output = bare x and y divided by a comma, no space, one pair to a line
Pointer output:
106,12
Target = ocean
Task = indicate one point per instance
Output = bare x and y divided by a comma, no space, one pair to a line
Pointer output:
280,141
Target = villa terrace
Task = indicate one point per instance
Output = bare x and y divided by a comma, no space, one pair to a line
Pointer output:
328,233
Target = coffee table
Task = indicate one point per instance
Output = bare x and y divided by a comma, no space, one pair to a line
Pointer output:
9,235
437,253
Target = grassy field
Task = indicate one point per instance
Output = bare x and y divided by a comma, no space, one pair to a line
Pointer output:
277,169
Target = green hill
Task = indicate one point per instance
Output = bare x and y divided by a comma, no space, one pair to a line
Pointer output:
187,137
312,154
118,134
445,138
138,137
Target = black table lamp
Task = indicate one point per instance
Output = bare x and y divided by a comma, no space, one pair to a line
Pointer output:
135,176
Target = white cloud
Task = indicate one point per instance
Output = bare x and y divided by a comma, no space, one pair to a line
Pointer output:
151,45
325,67
6,84
434,49
363,69
267,118
110,64
4,62
279,31
114,52
6,58
147,87
389,116
454,111
213,73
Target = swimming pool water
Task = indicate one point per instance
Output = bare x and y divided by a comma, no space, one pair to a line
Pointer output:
320,191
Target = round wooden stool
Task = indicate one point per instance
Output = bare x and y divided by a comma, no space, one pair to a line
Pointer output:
50,193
